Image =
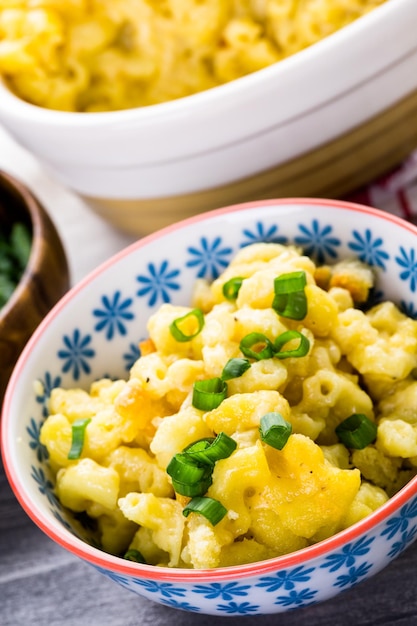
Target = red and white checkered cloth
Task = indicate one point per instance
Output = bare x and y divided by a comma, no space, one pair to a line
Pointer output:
395,192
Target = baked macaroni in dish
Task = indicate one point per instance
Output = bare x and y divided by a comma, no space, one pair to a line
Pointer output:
102,55
274,411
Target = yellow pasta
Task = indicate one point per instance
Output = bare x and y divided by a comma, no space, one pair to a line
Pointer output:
100,55
368,499
382,342
86,482
274,499
162,516
138,471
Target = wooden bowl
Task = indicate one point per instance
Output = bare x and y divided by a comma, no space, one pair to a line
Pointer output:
44,281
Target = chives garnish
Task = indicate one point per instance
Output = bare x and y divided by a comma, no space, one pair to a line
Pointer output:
274,430
231,287
78,434
301,350
257,346
196,318
234,368
209,393
183,468
357,431
134,555
290,283
212,509
191,470
189,478
191,490
290,299
211,450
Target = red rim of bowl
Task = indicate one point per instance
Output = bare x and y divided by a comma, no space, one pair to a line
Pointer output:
104,560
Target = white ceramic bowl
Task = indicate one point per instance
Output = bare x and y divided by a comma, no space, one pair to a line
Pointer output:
321,123
74,346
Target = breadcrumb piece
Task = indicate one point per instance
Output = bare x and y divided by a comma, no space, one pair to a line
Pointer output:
352,275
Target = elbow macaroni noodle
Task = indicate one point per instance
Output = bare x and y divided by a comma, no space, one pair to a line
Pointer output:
277,501
100,55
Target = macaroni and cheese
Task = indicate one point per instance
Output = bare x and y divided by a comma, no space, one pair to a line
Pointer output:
275,339
101,55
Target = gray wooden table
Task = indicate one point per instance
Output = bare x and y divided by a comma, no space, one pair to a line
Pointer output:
43,585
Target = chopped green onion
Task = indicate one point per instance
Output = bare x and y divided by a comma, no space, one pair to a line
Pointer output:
191,474
234,368
274,430
191,470
211,450
301,350
290,283
196,318
290,299
78,434
189,478
231,287
134,555
213,510
357,431
209,393
192,490
257,346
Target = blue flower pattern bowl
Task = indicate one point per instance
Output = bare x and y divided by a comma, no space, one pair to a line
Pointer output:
95,331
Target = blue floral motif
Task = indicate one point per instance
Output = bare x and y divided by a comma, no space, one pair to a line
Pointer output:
409,263
48,383
112,316
132,355
233,608
211,258
118,578
77,351
317,241
185,606
305,597
45,486
286,579
167,590
399,523
158,283
226,592
409,309
34,432
350,552
353,576
406,538
61,520
262,233
368,249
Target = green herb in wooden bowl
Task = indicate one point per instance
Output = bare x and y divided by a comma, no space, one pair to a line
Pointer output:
34,272
15,249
